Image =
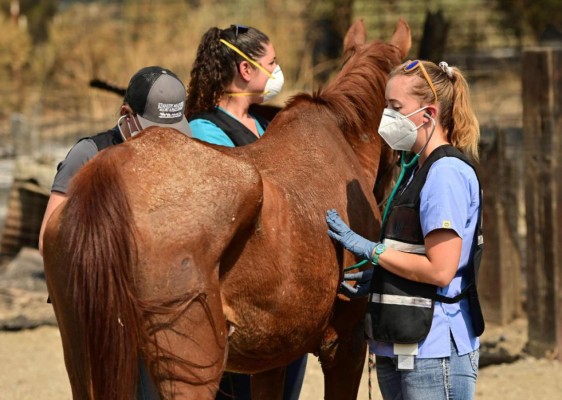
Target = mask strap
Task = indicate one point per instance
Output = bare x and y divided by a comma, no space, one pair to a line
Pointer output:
119,127
131,132
241,94
241,53
415,112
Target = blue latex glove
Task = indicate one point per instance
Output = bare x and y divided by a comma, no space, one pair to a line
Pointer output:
362,286
353,242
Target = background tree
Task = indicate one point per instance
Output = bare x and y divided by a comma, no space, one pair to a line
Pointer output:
15,51
534,16
328,22
434,38
38,15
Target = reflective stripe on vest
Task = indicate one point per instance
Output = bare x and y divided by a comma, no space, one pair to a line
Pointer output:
400,300
404,247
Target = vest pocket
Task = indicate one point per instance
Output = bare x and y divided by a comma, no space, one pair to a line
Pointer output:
401,311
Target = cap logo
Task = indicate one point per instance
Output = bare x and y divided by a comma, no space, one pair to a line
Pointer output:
167,110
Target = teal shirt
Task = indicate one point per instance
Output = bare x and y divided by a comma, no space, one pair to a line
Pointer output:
208,132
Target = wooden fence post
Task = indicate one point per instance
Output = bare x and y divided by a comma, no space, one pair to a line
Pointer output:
500,276
542,124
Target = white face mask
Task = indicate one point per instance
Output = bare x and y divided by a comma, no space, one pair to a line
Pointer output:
397,130
274,84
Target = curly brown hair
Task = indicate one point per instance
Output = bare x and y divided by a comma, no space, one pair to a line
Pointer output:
215,65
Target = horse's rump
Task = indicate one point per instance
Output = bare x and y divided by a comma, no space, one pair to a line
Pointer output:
129,213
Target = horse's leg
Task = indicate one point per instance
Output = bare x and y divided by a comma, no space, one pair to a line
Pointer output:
190,330
73,355
57,279
268,385
342,355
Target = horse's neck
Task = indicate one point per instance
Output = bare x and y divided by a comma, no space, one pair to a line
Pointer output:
315,125
368,152
355,99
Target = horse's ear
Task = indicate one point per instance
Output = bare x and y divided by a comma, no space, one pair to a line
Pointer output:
355,36
402,37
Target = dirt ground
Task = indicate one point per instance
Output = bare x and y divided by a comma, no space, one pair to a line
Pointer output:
32,367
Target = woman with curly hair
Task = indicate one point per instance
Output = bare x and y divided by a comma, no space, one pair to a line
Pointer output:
234,68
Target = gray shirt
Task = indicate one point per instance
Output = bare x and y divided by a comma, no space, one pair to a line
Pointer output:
80,154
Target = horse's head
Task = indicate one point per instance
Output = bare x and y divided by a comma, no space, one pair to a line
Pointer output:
356,38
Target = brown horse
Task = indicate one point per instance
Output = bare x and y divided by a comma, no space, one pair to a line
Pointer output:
190,258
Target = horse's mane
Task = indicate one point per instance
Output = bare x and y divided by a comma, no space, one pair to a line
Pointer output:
356,95
355,99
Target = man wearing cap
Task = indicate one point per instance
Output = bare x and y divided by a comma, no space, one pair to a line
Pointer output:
155,96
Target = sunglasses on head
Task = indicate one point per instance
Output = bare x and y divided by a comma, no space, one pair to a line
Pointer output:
412,65
239,30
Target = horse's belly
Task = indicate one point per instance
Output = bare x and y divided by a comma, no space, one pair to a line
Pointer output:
273,320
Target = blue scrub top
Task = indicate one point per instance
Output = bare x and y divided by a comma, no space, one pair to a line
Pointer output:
449,199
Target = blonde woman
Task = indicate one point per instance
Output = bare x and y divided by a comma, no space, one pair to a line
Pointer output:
423,316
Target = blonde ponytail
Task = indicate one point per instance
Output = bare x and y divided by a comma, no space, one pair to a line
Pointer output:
456,115
464,130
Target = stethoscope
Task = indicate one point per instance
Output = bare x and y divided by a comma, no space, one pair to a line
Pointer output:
404,166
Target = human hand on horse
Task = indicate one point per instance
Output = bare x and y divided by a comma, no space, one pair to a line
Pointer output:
361,289
350,240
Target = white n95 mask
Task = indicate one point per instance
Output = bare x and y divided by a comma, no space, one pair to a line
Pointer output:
397,130
274,84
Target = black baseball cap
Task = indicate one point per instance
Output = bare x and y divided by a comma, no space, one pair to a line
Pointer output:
157,96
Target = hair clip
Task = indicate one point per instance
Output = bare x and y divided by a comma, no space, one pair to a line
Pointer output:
446,69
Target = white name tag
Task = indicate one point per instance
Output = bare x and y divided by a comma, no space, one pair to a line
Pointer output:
406,349
405,363
405,353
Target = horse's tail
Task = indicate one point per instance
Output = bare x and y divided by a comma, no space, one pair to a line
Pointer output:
99,235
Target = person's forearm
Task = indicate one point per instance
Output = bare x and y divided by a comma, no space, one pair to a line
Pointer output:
437,266
415,267
54,201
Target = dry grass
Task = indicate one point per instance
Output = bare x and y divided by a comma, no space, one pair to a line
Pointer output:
110,41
